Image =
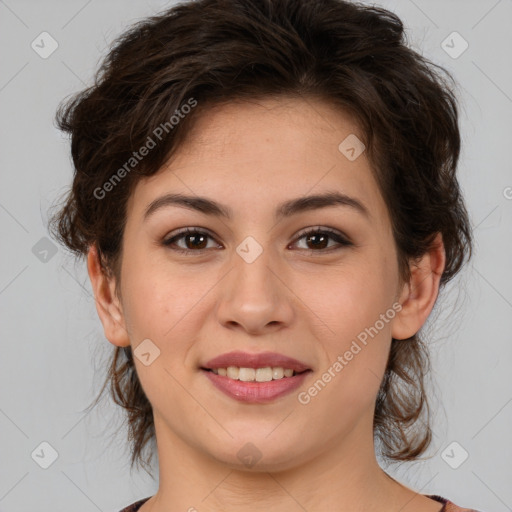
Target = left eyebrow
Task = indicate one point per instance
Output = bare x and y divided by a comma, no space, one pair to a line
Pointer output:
286,209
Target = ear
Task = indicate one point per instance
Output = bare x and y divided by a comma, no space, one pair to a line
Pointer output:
418,296
108,305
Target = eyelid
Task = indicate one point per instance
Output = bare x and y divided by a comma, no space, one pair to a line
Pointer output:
322,229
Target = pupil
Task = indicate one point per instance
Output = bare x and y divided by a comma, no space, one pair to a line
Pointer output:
317,235
194,237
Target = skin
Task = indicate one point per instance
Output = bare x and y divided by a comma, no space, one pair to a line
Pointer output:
321,456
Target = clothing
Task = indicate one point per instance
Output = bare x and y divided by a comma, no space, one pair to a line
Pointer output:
448,506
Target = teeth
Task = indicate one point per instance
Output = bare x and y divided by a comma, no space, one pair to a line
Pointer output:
277,373
254,375
233,372
263,374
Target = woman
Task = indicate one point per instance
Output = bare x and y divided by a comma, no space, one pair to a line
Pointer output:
266,193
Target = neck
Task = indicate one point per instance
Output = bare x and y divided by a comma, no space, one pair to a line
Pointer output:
343,476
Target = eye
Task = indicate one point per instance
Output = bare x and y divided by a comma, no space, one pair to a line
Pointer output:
319,237
196,240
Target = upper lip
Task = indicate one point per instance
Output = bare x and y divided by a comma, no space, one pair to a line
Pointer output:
261,360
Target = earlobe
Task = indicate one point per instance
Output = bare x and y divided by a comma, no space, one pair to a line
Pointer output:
420,293
107,303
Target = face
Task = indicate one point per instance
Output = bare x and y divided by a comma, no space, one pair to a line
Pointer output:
259,281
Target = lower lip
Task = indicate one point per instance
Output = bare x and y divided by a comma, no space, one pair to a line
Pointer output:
256,392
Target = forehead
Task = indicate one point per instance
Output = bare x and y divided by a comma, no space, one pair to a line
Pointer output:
253,155
303,129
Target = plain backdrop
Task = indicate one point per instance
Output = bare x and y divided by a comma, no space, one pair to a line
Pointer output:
53,352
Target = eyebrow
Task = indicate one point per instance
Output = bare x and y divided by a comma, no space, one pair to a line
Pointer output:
287,209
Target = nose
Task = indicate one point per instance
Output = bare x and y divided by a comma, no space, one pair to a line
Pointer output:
254,296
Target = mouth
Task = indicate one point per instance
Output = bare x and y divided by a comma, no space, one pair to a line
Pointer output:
254,391
255,378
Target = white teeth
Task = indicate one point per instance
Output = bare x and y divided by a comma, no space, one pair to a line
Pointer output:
277,373
264,374
246,374
254,375
232,372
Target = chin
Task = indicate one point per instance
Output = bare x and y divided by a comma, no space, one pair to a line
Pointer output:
259,453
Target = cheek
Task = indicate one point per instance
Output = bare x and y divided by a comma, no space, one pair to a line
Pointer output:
163,308
355,331
351,301
165,303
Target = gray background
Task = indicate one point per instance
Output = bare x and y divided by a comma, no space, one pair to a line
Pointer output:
52,345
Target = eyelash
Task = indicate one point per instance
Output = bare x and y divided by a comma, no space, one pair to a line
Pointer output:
334,235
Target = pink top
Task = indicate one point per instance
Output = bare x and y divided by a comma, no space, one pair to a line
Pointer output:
448,506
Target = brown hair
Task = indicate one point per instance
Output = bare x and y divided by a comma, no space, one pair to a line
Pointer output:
214,51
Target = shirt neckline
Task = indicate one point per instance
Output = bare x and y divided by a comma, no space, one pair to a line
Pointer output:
136,506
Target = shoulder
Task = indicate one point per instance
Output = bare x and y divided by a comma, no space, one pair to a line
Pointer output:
135,506
449,506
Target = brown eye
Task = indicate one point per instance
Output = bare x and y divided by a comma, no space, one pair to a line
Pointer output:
193,240
317,240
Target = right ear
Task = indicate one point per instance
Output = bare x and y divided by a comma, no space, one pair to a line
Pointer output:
108,306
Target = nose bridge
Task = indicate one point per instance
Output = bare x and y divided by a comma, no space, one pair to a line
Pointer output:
255,295
253,273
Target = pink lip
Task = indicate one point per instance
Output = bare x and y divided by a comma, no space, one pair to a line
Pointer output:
255,392
261,360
